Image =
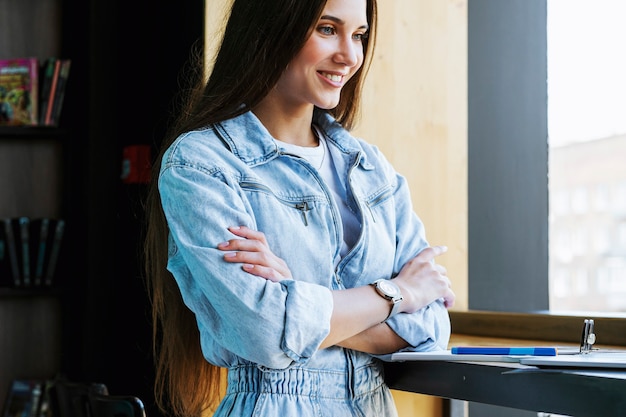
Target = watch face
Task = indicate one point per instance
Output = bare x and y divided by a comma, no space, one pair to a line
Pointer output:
388,287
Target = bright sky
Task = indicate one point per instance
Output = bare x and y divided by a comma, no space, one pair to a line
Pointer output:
586,69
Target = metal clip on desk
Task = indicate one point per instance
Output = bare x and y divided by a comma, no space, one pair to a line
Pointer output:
588,337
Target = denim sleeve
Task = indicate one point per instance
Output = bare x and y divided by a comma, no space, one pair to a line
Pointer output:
272,324
426,329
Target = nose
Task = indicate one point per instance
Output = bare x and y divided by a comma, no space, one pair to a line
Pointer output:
349,51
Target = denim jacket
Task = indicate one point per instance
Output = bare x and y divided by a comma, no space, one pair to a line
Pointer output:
233,173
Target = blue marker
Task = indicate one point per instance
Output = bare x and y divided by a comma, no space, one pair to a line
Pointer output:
511,351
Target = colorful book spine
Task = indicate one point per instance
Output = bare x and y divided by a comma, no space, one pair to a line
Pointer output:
47,74
19,91
53,88
57,103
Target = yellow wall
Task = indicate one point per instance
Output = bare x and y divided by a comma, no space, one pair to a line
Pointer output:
415,110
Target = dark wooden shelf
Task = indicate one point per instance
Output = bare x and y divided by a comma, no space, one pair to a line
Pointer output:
32,132
11,292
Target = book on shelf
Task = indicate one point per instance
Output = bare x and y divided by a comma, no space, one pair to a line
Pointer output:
59,95
24,398
24,227
11,252
6,275
49,397
41,228
46,94
31,249
3,258
55,249
19,91
32,92
46,405
55,73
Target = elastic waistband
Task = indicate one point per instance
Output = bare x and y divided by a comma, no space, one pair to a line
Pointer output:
321,383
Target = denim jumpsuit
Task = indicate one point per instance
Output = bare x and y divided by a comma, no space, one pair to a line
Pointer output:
267,334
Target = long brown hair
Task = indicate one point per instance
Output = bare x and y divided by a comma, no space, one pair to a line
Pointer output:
259,41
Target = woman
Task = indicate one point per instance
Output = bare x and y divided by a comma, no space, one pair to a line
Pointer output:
279,246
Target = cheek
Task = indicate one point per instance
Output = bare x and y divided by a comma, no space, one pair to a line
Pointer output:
313,52
361,59
287,82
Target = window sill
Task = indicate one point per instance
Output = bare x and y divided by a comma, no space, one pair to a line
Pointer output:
542,326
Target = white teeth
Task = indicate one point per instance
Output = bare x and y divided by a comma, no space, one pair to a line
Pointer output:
332,77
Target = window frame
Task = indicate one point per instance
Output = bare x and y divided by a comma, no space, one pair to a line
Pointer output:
508,181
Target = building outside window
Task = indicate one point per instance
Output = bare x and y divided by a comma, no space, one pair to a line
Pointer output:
587,155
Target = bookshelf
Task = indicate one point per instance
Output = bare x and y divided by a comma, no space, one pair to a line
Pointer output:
34,179
96,324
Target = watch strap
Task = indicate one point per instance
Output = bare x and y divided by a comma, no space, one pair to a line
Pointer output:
394,298
394,308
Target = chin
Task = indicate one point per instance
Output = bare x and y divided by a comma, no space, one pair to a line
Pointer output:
328,104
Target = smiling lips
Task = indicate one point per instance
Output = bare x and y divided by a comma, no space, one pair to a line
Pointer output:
333,77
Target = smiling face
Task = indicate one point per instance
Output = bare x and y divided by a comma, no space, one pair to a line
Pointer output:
329,58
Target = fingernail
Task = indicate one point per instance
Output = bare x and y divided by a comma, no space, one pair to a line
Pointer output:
230,254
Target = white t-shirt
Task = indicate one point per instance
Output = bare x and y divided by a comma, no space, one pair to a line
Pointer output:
321,158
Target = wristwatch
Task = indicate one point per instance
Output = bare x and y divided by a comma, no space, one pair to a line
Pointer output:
389,291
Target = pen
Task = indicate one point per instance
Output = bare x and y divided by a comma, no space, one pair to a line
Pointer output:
496,350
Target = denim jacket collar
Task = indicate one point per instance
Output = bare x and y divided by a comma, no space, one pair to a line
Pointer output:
252,143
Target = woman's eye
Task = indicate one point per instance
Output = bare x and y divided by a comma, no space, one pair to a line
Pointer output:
326,30
359,36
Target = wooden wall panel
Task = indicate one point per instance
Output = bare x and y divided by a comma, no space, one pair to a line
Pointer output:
35,33
30,177
415,110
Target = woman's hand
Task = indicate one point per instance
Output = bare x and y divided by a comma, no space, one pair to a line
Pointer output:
422,281
251,250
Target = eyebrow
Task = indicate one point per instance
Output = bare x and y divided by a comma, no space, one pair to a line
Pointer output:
339,21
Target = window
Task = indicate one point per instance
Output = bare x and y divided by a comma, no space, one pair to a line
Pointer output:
514,221
587,144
